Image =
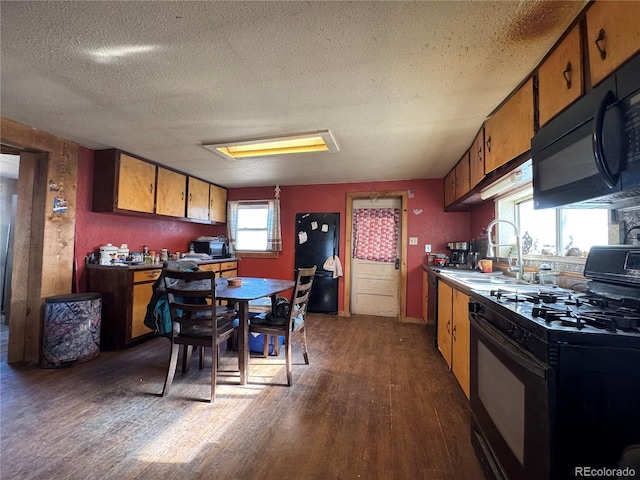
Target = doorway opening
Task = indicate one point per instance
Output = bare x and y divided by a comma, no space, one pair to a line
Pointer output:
9,170
376,283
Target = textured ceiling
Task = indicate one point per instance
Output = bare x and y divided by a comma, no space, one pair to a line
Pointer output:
403,86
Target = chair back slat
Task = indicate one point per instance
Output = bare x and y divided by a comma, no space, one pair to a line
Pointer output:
301,292
191,297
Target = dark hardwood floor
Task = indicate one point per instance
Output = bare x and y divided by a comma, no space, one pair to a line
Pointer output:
376,402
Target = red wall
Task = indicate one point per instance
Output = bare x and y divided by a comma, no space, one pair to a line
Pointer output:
481,217
95,229
426,221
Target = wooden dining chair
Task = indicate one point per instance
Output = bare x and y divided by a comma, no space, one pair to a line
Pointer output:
270,324
196,320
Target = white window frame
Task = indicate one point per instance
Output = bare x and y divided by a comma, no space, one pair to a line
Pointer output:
506,209
231,224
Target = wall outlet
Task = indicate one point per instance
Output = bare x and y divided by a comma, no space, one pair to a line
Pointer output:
413,240
427,248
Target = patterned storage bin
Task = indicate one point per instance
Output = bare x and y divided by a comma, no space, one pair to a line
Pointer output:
71,329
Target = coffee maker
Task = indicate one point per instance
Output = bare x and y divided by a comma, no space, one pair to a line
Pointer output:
459,253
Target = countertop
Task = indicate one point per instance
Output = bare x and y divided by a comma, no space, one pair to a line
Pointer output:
150,266
468,280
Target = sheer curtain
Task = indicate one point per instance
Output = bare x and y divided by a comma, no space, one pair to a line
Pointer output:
274,232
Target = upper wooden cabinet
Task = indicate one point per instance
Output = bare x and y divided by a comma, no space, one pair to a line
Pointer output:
198,199
476,160
121,182
462,176
171,193
450,187
560,77
217,204
613,36
125,184
508,132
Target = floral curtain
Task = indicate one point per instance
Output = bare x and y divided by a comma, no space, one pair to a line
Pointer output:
376,232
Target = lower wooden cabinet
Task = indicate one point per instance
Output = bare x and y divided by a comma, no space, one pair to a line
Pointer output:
445,320
125,296
126,293
453,332
224,269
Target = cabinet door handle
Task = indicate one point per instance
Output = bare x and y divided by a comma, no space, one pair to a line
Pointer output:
567,75
182,196
190,197
489,144
453,333
480,154
151,188
448,323
601,44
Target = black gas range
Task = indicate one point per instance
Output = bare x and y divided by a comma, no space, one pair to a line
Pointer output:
535,317
555,374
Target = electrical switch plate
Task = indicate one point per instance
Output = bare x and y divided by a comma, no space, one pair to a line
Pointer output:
427,248
413,240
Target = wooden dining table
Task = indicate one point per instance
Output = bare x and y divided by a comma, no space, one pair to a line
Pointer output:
250,289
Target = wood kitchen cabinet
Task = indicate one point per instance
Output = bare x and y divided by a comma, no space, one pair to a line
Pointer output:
476,160
445,320
129,185
224,269
613,36
453,332
123,183
217,204
450,188
171,193
460,339
125,295
560,77
462,176
198,199
508,132
229,269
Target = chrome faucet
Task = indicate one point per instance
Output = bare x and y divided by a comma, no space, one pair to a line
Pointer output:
490,253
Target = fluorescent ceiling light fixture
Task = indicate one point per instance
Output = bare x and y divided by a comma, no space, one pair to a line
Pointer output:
109,54
501,185
320,141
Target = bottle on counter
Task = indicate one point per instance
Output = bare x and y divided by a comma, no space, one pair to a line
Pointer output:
164,255
123,253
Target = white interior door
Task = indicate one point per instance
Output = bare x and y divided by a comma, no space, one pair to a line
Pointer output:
375,285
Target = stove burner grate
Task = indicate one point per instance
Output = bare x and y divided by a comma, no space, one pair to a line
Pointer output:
609,321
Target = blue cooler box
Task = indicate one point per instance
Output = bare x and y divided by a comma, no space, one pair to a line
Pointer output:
256,342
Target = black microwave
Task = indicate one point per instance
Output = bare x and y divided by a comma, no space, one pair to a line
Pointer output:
589,155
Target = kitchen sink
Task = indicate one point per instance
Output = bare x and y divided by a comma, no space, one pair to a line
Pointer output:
495,280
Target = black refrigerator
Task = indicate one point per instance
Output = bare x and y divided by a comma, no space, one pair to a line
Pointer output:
317,239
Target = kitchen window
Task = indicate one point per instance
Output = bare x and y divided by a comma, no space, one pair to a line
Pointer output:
254,227
552,231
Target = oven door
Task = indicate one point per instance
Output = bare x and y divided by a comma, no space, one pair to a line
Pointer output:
510,406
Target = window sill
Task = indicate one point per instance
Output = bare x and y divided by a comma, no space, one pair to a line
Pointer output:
255,254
